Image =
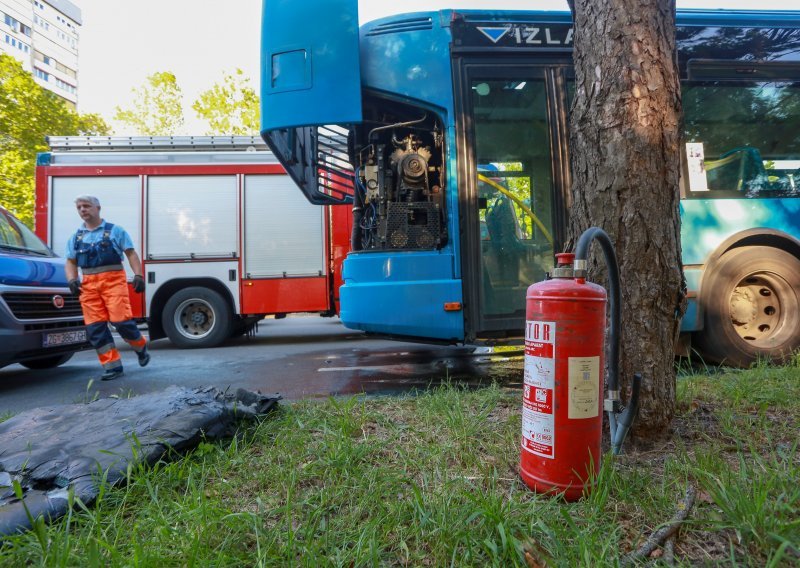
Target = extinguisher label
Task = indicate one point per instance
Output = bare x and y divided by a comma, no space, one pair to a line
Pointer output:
538,418
584,387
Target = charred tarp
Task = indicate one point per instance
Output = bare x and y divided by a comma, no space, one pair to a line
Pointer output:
76,447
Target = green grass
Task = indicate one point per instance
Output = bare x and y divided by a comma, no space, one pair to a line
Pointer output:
431,480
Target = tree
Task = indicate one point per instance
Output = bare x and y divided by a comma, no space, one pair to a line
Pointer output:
624,144
230,107
157,106
29,113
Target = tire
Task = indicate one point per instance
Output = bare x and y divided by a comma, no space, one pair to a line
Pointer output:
47,362
244,326
752,307
196,317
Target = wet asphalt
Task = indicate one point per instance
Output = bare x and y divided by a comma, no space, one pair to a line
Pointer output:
297,357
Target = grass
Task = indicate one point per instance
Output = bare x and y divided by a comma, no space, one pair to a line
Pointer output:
431,480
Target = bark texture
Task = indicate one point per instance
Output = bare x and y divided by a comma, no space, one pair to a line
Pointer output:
624,140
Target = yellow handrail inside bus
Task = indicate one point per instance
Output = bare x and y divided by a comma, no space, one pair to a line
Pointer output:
519,202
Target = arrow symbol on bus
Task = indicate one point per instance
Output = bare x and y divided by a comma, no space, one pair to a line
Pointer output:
495,34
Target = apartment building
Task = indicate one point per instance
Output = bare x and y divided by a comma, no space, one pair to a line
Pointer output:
43,35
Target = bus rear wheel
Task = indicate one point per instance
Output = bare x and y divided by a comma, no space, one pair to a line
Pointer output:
196,317
752,307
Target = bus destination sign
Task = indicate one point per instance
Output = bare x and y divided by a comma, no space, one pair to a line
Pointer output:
525,35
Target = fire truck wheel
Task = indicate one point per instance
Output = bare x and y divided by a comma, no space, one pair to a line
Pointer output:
196,317
752,307
47,362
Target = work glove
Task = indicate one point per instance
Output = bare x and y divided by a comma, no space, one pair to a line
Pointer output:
138,284
75,286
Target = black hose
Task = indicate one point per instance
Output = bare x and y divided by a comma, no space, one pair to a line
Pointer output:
614,301
620,423
358,213
396,125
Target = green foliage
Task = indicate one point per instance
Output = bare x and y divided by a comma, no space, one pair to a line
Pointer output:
157,107
16,184
230,107
29,113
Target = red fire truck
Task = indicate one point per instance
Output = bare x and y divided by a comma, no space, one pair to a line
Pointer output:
224,236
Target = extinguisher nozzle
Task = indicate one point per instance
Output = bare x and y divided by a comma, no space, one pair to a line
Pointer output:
625,419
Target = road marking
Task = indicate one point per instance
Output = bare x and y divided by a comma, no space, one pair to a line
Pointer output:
365,368
404,366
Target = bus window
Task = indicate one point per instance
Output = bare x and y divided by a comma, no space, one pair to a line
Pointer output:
742,137
515,190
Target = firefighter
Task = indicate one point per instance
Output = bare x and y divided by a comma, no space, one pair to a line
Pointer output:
97,248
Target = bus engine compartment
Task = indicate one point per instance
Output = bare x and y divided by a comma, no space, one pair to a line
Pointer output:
398,154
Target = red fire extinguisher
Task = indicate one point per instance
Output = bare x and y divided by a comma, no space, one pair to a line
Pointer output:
562,407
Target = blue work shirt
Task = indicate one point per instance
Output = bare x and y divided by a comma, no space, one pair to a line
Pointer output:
119,237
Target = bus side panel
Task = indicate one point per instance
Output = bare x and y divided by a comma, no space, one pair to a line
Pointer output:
402,294
707,223
693,318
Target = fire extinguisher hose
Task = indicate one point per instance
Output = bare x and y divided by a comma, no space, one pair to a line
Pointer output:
619,422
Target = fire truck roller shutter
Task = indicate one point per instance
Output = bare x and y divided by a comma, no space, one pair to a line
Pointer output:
120,204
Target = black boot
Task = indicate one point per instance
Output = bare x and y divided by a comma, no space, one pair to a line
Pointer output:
144,357
111,374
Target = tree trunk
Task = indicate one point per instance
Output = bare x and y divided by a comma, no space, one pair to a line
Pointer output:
624,140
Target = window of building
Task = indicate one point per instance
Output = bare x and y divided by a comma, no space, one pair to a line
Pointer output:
65,86
25,29
11,22
22,46
64,69
39,21
43,75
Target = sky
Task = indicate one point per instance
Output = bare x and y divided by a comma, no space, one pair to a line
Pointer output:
124,41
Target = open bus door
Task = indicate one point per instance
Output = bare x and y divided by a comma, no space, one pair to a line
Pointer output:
516,178
311,80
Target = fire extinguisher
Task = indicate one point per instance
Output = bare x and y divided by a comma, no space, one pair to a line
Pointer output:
563,375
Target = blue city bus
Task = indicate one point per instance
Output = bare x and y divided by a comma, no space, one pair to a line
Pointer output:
448,132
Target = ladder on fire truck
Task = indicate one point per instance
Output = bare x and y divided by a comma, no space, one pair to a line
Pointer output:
120,150
155,143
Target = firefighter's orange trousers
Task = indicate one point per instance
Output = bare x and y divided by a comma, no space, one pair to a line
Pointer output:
104,299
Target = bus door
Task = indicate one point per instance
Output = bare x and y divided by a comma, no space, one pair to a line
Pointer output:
514,187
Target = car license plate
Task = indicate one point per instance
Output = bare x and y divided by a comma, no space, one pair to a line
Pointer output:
64,338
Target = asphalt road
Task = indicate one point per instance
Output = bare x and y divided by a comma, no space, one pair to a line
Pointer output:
297,357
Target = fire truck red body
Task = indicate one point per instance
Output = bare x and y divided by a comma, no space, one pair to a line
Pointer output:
224,236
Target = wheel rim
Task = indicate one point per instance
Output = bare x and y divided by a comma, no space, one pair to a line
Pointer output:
194,319
758,308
